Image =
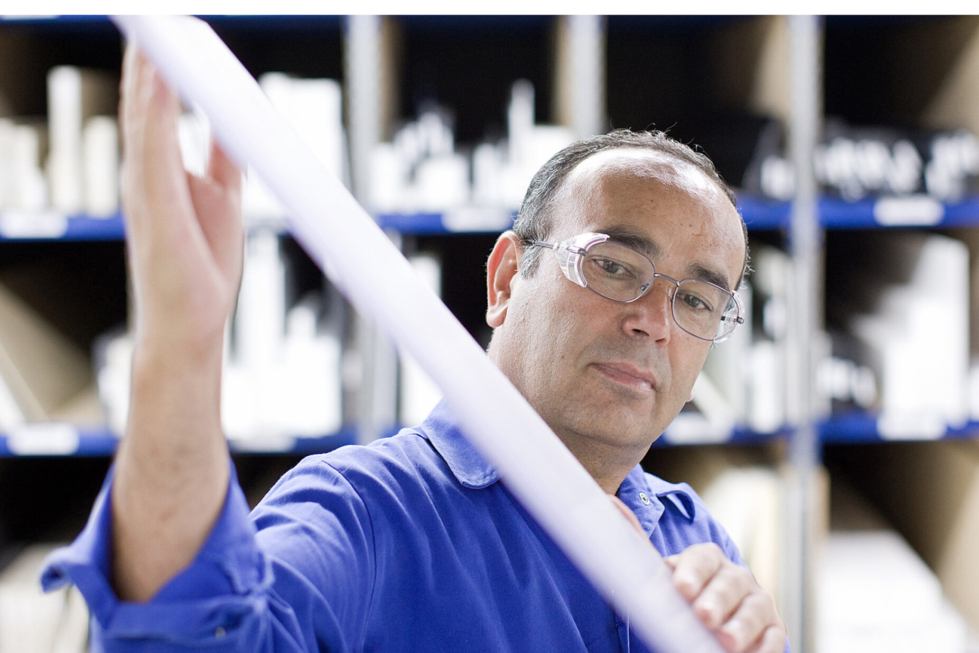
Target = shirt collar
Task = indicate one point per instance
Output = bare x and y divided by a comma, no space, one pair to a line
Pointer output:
467,465
648,496
643,493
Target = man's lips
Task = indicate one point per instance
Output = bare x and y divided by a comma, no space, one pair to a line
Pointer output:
628,375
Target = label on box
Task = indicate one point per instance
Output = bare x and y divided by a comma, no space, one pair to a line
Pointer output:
473,218
911,211
54,439
27,224
917,425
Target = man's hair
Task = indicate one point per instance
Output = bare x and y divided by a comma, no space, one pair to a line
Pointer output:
535,219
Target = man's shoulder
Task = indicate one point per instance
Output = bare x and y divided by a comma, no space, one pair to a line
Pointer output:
406,455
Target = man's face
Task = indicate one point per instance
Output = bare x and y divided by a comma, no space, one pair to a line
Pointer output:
600,372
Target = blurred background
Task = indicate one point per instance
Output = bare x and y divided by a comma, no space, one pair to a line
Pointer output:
836,435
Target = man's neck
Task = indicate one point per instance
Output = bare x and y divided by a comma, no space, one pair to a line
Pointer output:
607,464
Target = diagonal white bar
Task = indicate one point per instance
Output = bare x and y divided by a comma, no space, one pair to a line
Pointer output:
354,253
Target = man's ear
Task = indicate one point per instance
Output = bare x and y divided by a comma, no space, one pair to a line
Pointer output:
501,270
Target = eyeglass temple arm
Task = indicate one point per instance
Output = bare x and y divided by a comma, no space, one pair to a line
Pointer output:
569,257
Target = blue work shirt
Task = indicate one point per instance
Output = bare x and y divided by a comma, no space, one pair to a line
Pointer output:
408,544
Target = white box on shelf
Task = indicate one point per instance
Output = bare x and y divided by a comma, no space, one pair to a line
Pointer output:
442,182
919,338
74,95
28,189
313,108
100,145
487,175
390,179
874,594
310,403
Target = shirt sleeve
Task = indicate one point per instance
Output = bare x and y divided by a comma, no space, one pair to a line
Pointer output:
301,584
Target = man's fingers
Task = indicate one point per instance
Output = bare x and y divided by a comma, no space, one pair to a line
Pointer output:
771,641
755,614
722,595
156,200
694,568
161,146
222,169
218,208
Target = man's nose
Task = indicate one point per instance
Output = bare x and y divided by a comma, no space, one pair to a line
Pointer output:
652,314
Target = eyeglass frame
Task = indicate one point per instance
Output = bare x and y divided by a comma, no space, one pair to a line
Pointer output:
570,254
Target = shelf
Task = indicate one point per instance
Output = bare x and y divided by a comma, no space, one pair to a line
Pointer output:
850,428
891,212
459,221
71,21
759,213
21,226
70,441
835,214
862,428
66,440
740,436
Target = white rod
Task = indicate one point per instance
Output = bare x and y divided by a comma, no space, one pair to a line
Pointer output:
347,244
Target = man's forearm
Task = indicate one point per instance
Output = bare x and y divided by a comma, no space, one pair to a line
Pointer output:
172,467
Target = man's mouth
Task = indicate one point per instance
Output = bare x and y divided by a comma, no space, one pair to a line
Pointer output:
638,380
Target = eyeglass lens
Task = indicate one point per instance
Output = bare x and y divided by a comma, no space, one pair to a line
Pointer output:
621,274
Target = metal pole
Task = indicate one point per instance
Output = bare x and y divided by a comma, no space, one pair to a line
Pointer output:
376,406
587,53
805,241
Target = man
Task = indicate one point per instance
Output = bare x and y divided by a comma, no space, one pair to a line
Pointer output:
412,543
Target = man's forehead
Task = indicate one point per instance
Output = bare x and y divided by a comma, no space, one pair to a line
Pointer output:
643,163
607,179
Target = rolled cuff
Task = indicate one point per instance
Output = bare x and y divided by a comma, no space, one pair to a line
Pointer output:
212,598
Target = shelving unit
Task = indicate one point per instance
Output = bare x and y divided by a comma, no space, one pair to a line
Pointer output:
718,81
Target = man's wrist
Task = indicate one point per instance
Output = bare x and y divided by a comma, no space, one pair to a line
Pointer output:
169,352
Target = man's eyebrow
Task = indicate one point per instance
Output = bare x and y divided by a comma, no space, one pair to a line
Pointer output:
698,271
641,243
633,240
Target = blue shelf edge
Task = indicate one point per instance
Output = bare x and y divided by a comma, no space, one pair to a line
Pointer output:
850,428
760,214
85,228
836,214
738,437
54,228
100,442
861,428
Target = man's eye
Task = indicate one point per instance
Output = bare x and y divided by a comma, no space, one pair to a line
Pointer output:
694,302
612,268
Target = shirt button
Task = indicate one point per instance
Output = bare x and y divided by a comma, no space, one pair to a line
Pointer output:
219,632
644,498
